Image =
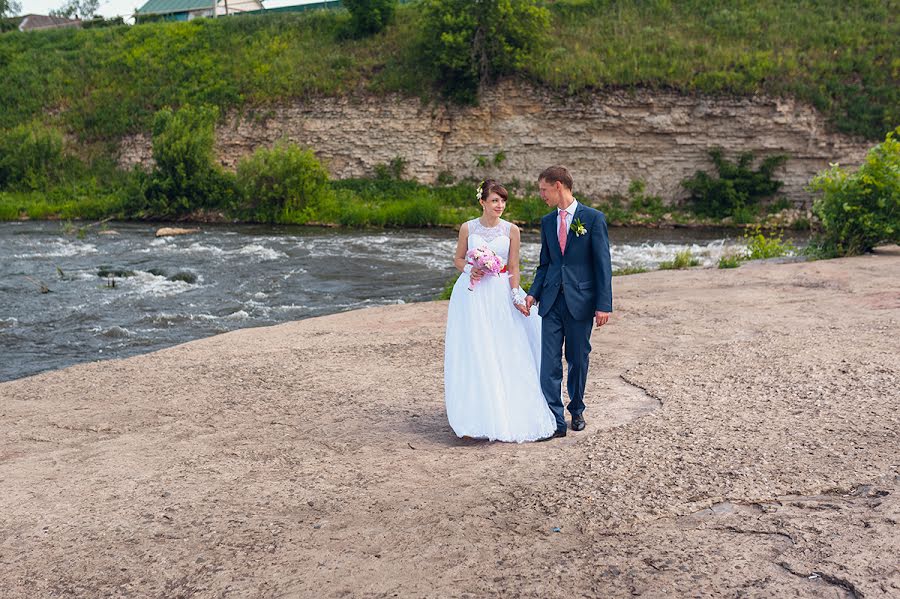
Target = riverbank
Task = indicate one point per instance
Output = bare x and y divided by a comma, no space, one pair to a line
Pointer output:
742,434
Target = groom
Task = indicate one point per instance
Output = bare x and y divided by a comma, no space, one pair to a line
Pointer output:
573,285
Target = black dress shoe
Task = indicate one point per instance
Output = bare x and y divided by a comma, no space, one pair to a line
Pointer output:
560,432
578,423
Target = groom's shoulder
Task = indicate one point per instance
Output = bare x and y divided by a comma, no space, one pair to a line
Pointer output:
593,212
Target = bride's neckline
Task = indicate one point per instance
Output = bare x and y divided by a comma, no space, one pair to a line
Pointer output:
484,226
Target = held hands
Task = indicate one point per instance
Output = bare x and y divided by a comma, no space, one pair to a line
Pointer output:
601,318
525,308
518,299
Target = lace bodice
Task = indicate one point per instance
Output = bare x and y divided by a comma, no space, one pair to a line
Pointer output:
496,238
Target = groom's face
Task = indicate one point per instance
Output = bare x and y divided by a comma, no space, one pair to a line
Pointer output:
551,193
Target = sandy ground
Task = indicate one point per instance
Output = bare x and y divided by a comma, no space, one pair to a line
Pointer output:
742,441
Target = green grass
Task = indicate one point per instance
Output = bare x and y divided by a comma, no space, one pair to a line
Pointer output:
840,56
682,260
102,83
631,270
731,261
58,205
760,247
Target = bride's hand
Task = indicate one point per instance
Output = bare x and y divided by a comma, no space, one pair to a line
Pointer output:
521,308
476,274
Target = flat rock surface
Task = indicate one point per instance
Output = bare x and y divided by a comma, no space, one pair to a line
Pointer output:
742,440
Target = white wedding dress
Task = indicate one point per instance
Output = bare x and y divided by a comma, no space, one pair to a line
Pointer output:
492,356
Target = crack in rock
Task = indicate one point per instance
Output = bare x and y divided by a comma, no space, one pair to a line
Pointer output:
842,583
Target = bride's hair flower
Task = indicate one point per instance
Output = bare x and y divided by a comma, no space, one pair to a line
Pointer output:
479,191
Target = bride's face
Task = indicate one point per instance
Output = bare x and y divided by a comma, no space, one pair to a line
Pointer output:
493,205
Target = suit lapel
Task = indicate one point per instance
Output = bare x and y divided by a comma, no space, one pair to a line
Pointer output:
571,236
553,237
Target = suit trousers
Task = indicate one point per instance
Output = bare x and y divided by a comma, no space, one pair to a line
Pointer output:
560,328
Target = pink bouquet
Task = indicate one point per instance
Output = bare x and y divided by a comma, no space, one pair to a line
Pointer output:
484,259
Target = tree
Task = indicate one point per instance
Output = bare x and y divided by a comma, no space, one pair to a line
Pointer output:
9,8
471,41
861,210
281,184
76,9
368,17
186,177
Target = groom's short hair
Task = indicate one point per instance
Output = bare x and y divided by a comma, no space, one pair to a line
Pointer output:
557,173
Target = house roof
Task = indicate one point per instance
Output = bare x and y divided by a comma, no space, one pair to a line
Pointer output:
165,7
32,22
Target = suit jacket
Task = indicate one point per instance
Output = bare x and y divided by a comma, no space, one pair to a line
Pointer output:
584,273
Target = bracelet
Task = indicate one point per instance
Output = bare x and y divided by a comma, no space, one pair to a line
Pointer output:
518,296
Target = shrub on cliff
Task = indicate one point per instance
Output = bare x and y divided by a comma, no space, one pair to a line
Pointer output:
282,185
861,210
737,189
368,17
467,43
186,177
31,157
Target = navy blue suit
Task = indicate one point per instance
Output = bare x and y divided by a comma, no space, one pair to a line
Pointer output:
569,289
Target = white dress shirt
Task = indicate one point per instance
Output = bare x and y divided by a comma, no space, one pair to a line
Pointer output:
570,215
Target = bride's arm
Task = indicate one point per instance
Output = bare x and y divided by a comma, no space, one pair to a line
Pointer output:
512,266
459,258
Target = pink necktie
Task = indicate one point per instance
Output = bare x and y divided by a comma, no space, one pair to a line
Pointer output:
562,231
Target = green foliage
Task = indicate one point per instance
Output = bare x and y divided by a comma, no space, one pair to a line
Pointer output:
528,210
861,210
186,177
281,185
468,44
31,157
97,22
368,17
389,202
9,8
730,261
841,56
447,291
77,9
85,199
760,247
393,170
738,187
683,259
778,205
642,203
105,82
630,270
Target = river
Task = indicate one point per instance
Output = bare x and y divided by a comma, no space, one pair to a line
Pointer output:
174,289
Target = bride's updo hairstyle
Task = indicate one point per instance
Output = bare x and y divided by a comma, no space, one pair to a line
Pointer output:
490,186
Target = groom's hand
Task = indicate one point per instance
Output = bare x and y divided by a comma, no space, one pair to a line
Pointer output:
529,301
601,318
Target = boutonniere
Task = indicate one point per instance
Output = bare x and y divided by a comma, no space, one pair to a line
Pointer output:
577,227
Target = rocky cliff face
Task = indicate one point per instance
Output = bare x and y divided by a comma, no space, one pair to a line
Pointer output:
606,139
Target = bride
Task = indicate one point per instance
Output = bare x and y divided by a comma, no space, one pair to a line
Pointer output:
493,345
